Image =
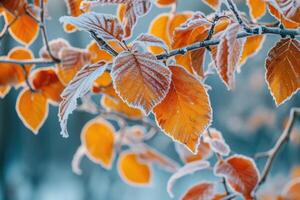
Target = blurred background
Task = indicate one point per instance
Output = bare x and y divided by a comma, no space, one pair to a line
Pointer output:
38,167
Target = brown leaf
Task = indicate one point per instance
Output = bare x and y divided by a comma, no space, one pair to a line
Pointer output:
140,79
282,69
200,191
228,54
240,172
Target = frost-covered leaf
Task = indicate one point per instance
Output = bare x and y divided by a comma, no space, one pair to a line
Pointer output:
240,172
185,112
200,191
150,40
216,142
282,69
228,54
78,87
140,79
55,47
289,8
104,25
189,168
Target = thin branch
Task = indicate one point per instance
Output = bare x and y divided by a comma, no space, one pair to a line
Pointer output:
284,138
27,79
44,32
256,31
37,62
103,44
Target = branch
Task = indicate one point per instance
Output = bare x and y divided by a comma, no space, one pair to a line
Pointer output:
44,32
284,138
103,44
37,62
256,31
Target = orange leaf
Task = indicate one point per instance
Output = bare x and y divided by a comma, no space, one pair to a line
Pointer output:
140,79
164,3
286,22
46,80
282,69
215,4
185,112
32,108
200,191
73,10
121,12
291,191
4,90
13,74
228,54
24,29
203,152
133,171
117,105
251,47
257,8
15,6
72,59
240,172
159,28
98,138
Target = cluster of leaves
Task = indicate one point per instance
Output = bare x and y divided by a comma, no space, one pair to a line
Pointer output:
161,73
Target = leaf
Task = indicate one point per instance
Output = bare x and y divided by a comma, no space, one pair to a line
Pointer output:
4,90
282,69
105,26
215,4
216,142
164,3
252,45
289,8
159,28
200,191
257,8
149,40
78,87
140,79
117,105
203,152
72,60
46,81
22,28
228,54
134,10
185,112
98,138
133,171
189,168
153,156
32,108
284,21
240,172
291,191
13,6
55,47
13,74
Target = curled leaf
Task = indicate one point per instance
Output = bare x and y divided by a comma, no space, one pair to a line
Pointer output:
185,170
77,88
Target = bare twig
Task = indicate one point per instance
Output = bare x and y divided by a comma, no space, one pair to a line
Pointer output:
284,138
205,43
103,44
27,79
44,32
37,62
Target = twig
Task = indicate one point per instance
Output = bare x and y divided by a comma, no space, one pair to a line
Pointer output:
37,62
231,5
256,31
103,44
44,32
284,138
27,79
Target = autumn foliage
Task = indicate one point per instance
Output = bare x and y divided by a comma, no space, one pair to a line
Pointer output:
156,81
